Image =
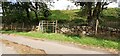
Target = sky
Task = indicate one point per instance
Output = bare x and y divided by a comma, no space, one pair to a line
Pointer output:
112,5
63,5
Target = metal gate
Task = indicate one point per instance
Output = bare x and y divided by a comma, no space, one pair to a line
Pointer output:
48,26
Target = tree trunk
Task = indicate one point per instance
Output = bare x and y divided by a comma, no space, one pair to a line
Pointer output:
28,16
97,14
36,14
37,20
3,9
89,4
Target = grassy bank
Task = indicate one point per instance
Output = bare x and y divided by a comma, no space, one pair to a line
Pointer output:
60,37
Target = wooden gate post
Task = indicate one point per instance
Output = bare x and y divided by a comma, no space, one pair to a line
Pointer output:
39,26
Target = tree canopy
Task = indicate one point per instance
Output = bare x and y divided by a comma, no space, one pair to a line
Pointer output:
20,11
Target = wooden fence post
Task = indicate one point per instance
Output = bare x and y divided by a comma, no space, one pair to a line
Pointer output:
56,27
53,26
11,26
23,27
15,27
47,26
42,26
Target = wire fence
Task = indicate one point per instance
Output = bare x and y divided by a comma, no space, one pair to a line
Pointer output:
18,27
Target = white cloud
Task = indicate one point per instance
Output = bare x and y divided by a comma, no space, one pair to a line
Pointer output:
62,5
12,1
113,5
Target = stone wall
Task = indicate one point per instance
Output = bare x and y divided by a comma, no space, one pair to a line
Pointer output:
81,30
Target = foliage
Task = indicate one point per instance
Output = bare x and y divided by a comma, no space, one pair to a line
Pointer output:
110,15
92,11
24,12
111,12
13,13
106,15
67,15
57,14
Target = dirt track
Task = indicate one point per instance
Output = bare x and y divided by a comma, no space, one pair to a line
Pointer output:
21,49
6,49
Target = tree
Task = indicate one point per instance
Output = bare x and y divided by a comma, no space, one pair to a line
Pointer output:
93,11
20,10
40,7
118,12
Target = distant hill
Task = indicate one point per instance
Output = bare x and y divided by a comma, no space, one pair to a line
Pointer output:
75,14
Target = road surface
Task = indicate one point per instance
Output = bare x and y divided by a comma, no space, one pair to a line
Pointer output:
50,47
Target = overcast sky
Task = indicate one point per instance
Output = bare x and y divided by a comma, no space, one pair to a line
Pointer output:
63,4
